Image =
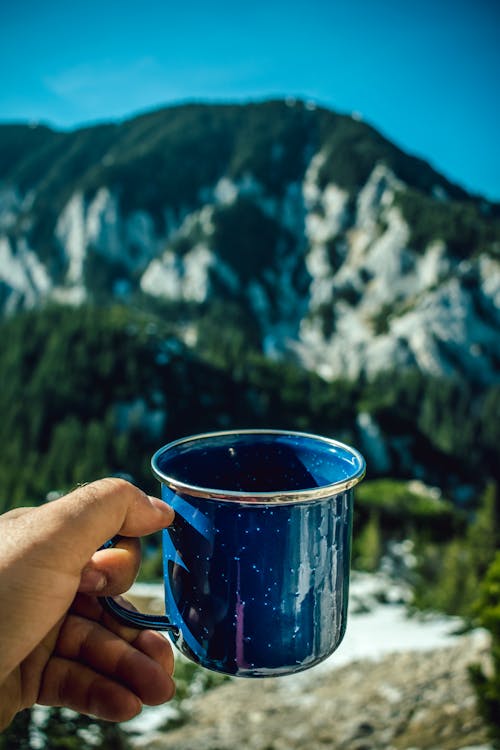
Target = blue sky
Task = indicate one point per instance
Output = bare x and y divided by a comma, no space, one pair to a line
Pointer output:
427,73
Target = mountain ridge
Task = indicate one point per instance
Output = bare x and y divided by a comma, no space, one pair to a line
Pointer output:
347,253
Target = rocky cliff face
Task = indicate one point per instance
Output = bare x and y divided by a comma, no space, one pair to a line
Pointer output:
349,255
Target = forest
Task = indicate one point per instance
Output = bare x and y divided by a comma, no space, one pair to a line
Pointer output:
94,391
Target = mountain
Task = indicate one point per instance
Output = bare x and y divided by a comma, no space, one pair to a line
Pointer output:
214,267
326,243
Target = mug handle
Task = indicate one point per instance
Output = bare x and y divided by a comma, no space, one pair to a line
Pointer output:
130,617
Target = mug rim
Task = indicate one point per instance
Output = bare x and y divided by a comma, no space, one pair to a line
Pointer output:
270,496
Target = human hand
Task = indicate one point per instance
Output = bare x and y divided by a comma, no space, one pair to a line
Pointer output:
57,645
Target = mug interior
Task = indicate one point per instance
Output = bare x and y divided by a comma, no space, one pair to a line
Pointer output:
260,463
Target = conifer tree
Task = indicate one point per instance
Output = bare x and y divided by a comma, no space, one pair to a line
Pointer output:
487,685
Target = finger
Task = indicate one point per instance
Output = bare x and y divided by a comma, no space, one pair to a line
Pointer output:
91,608
67,683
89,643
112,571
152,643
127,632
156,646
79,523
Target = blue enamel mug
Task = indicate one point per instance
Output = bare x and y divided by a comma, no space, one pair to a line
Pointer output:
256,563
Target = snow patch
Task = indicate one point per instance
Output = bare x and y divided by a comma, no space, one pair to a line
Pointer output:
377,193
225,192
70,231
178,277
102,224
137,414
10,207
373,444
23,274
310,187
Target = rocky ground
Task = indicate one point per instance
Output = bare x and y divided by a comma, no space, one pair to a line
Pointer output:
403,701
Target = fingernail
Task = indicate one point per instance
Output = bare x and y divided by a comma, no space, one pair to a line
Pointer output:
92,581
167,510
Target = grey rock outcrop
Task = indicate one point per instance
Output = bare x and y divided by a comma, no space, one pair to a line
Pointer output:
347,253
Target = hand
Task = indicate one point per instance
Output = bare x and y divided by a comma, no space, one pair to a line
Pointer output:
57,645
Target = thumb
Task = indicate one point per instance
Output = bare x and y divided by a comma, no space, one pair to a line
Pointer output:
90,515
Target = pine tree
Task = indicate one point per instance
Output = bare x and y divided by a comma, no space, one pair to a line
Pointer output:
483,535
370,544
487,686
